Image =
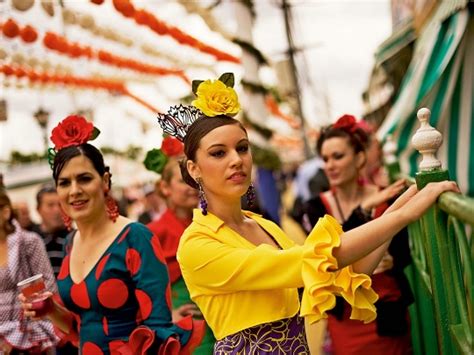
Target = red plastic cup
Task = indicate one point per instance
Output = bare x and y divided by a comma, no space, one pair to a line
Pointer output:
33,289
32,285
42,305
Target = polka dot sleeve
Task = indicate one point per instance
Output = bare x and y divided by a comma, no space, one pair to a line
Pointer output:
145,261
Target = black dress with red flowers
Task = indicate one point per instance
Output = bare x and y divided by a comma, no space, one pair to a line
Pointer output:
128,289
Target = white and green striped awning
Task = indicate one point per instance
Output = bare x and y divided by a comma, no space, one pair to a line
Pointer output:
441,78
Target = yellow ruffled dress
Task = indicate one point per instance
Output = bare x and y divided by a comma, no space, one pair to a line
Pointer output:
238,285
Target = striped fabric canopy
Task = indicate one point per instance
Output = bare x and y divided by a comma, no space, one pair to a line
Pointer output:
440,77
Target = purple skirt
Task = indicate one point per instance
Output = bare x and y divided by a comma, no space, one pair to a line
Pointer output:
286,336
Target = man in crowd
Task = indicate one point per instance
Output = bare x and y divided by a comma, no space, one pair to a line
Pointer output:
54,233
51,226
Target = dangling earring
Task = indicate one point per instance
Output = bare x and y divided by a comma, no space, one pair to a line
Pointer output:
111,207
250,195
202,197
66,220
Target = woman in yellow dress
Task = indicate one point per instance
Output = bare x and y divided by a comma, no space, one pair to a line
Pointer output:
251,282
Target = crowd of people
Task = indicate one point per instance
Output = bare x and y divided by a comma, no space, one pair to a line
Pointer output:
196,273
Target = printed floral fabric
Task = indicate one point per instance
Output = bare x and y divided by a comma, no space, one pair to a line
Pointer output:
286,336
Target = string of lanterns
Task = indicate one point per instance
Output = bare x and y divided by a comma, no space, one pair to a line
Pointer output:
146,18
113,86
62,45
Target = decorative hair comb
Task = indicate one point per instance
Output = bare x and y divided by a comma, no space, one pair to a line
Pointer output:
71,131
156,159
213,98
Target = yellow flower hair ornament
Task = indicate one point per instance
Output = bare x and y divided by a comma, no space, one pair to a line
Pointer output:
213,98
216,97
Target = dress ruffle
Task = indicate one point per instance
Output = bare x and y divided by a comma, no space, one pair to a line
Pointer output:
27,335
323,283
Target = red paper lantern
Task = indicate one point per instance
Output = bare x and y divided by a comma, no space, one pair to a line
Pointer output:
50,40
158,26
125,7
10,29
75,50
7,70
62,45
97,2
28,34
142,17
32,75
20,73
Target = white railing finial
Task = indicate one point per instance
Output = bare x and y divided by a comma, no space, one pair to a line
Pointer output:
427,141
389,149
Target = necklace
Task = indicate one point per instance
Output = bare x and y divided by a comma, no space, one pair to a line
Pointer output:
338,205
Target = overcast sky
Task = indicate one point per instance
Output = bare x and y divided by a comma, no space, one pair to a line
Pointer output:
341,37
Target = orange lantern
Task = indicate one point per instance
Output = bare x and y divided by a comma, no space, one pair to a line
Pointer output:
7,70
75,50
158,26
28,34
125,7
142,17
19,72
10,29
50,40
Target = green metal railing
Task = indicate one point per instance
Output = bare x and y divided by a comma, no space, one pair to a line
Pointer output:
441,276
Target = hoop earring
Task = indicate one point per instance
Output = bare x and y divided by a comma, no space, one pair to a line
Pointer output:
202,197
66,220
250,195
111,208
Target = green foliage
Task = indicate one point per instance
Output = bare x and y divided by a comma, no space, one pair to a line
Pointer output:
132,152
227,79
249,48
265,158
265,132
17,157
95,133
195,85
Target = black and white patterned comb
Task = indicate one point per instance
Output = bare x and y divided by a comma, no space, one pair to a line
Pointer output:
178,119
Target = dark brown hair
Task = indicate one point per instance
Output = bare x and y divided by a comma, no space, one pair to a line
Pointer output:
5,202
357,138
195,133
89,151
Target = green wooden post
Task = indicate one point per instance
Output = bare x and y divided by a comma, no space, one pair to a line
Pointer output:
427,141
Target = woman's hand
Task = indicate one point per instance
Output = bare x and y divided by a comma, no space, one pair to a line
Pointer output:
385,264
384,195
28,307
5,348
418,204
185,310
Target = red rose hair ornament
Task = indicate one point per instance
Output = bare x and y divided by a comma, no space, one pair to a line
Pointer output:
347,123
73,130
172,147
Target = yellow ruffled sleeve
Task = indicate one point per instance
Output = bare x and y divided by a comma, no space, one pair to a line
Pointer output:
323,283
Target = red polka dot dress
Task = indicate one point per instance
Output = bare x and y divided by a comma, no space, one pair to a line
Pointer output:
128,289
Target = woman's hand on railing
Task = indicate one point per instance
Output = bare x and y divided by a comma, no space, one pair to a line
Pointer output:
414,207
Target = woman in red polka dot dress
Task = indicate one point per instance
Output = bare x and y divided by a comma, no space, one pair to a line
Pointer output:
113,283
